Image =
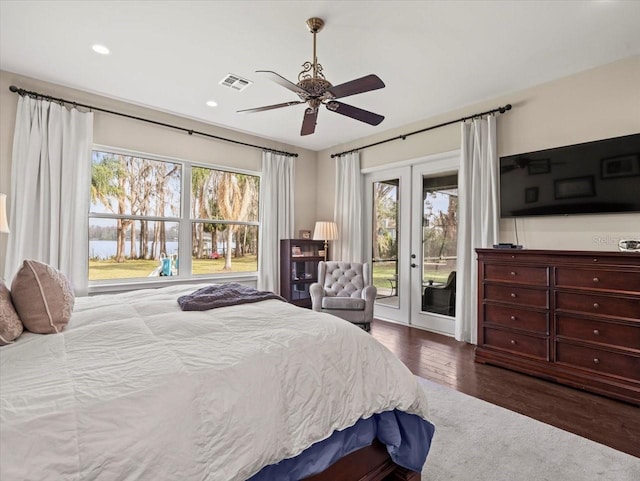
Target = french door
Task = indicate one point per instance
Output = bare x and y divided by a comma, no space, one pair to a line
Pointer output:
412,240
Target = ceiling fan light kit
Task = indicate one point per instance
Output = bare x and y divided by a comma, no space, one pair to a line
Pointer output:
315,90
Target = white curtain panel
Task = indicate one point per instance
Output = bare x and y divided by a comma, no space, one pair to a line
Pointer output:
50,189
348,209
478,217
276,216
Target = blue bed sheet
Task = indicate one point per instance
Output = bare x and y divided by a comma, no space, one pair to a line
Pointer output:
407,437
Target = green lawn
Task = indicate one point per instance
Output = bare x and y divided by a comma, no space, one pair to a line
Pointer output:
109,269
383,271
437,275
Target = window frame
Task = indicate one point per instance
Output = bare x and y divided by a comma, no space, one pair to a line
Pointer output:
185,275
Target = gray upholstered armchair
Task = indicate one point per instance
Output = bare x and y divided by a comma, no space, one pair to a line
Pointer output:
343,290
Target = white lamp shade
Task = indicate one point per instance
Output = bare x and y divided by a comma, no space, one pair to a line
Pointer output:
4,225
325,231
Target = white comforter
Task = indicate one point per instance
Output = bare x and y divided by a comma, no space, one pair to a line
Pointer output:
136,389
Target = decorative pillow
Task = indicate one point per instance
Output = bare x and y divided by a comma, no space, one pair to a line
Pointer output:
10,323
43,297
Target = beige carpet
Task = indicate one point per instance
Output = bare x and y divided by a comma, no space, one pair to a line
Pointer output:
478,441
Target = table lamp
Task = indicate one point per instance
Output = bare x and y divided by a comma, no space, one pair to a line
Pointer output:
325,231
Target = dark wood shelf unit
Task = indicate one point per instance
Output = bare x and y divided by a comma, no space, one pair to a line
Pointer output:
298,272
572,317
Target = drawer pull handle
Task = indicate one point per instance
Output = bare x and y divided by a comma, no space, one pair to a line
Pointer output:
595,260
596,360
595,279
513,294
513,342
513,318
596,332
513,273
596,305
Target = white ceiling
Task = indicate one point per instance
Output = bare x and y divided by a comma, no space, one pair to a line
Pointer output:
434,56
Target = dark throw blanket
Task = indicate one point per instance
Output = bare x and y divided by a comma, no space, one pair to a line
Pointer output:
223,295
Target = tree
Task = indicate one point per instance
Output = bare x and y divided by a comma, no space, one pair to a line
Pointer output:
129,186
385,207
204,205
108,187
163,174
440,231
235,194
104,173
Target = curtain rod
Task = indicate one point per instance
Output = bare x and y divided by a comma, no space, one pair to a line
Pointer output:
502,110
31,93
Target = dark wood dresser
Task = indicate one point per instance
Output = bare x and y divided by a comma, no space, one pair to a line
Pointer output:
568,316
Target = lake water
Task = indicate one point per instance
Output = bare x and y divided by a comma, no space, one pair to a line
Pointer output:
106,249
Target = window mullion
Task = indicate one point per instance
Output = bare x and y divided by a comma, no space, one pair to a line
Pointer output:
184,246
222,221
133,217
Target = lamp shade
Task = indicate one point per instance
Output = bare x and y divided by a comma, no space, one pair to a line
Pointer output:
4,225
325,231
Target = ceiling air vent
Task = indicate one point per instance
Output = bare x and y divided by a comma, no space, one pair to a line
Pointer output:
235,82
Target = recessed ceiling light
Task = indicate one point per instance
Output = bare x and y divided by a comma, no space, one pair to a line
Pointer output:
101,49
212,103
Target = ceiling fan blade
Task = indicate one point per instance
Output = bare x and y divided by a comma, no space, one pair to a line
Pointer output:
280,80
269,107
309,121
355,112
357,86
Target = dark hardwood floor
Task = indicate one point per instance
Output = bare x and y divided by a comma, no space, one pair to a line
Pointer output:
446,361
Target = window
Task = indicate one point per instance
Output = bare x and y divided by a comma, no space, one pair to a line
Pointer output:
146,221
224,215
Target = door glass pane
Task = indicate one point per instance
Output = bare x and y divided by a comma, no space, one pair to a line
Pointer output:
385,240
439,244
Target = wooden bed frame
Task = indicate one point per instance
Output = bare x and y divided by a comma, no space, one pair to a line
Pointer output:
371,463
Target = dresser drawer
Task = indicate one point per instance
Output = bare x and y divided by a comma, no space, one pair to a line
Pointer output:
534,321
622,307
517,274
598,279
622,335
517,343
605,362
517,295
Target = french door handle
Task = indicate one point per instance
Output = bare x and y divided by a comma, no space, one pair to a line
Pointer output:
414,265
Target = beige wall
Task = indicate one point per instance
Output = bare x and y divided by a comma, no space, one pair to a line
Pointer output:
115,131
596,104
592,105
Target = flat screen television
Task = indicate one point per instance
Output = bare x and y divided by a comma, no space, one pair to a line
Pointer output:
594,177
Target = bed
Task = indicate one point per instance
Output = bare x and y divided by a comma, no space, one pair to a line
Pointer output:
136,389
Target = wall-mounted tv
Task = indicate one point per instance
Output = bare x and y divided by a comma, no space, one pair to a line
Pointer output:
594,177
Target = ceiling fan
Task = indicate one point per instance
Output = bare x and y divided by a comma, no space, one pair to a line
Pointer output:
314,89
